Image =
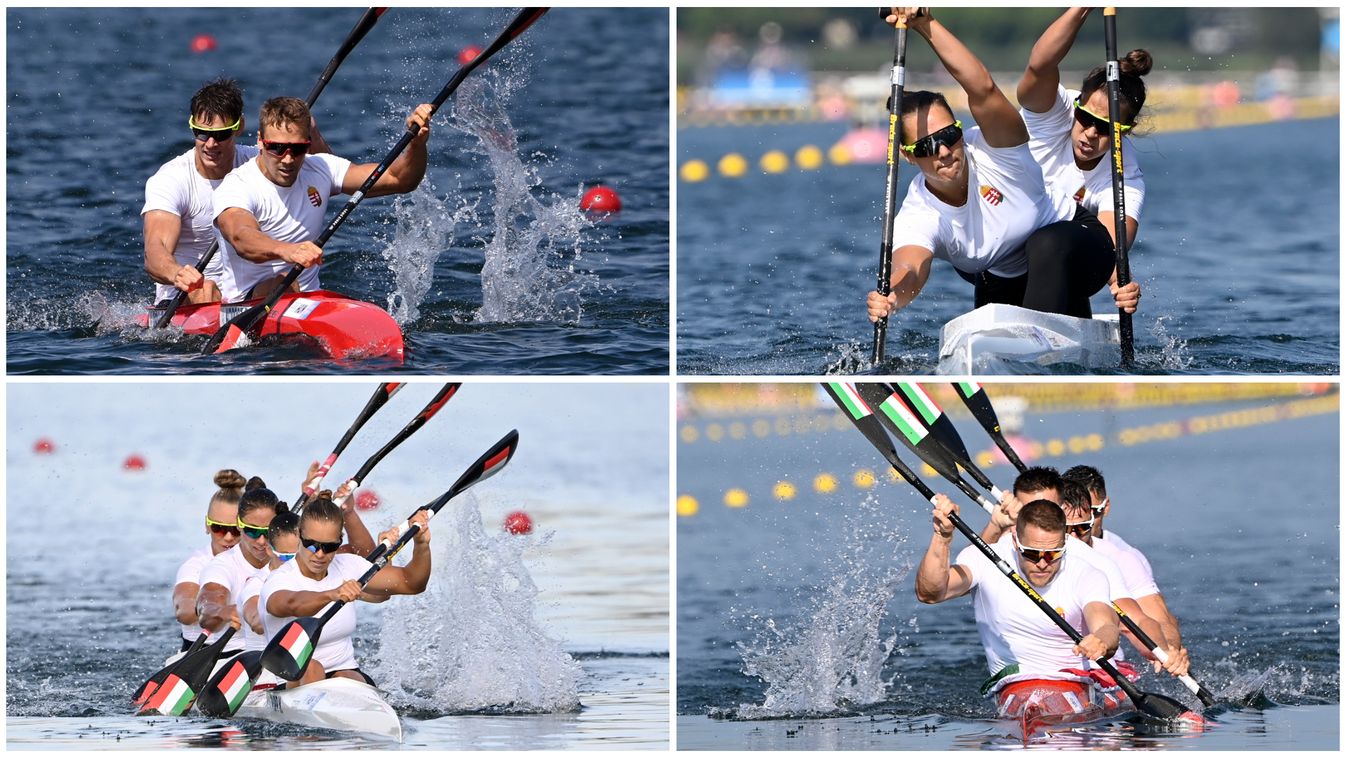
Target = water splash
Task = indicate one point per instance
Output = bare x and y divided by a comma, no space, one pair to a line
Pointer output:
424,228
832,661
1173,354
533,269
470,643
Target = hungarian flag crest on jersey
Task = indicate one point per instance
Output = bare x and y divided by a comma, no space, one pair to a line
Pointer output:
991,194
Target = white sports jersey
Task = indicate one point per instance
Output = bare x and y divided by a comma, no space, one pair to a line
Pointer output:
252,588
232,571
190,571
1007,201
335,651
1014,630
1050,141
287,214
1146,577
178,188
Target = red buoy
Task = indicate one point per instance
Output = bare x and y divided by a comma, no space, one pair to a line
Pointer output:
466,55
367,500
44,446
601,199
203,43
134,462
518,522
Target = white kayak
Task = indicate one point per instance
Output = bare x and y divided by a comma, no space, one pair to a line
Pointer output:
342,704
987,340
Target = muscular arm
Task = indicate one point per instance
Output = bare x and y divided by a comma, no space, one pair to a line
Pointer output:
1037,90
214,605
1000,122
911,269
937,580
405,173
240,230
1102,622
1148,625
405,580
284,603
1106,218
252,615
161,238
184,602
1155,607
357,534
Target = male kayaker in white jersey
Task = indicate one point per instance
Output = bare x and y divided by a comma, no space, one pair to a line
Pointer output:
1020,642
178,216
222,526
224,578
1034,483
270,209
1151,600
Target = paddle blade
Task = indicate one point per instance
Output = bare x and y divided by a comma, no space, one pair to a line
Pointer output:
226,691
289,652
1164,708
487,466
172,698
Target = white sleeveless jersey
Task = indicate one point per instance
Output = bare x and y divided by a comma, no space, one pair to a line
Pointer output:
1050,142
178,188
1014,630
1007,201
335,651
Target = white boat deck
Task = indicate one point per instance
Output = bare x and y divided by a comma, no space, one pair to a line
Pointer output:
993,338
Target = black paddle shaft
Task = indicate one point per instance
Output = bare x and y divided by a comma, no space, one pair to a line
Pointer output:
891,186
380,397
251,319
975,397
358,33
1116,162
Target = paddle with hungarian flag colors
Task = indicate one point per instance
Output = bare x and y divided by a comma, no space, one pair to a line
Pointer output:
381,396
1150,704
147,689
249,322
942,429
427,413
179,688
289,651
893,412
226,691
975,397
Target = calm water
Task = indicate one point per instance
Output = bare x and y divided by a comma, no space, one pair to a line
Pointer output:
490,267
540,624
802,611
1238,258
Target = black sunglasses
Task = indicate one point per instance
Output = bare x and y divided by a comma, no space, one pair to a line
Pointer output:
279,149
313,546
930,144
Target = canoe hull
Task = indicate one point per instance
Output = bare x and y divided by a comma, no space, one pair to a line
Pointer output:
341,704
342,327
1039,706
992,338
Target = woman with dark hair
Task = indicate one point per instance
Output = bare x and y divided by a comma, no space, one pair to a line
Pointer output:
320,575
224,578
1069,131
981,202
222,526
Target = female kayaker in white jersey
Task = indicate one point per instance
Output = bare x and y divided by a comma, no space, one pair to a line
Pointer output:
223,579
222,526
981,203
1069,132
320,575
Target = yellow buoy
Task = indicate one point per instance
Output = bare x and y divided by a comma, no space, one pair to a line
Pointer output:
736,498
687,505
809,158
774,162
825,483
694,171
784,491
839,155
733,165
864,479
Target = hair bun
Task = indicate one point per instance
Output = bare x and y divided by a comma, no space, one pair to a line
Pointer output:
1137,63
255,483
228,478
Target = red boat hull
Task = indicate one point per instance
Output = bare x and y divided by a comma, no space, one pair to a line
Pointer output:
344,328
1040,705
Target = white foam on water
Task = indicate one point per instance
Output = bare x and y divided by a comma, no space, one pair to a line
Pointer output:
471,642
424,227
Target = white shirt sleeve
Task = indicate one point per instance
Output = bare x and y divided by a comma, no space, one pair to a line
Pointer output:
162,193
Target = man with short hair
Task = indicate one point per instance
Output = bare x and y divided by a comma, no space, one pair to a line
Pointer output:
271,209
1135,567
1034,483
1020,641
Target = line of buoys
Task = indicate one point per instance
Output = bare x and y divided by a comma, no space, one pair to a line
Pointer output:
736,165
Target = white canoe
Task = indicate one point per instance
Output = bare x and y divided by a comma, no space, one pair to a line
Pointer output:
342,704
985,340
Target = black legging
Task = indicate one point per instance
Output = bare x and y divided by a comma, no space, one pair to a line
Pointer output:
1068,262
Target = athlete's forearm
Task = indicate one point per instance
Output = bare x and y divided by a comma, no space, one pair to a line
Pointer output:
933,573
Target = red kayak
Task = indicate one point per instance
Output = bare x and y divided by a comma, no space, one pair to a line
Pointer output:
342,327
1041,705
